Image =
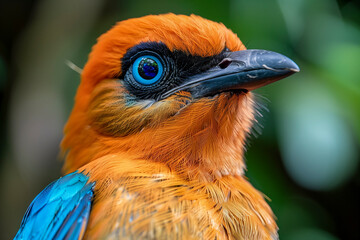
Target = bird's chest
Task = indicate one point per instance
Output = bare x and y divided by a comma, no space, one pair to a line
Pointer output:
170,208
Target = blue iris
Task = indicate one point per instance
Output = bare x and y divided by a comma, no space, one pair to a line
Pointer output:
147,69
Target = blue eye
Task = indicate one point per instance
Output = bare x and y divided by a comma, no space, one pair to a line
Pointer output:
147,69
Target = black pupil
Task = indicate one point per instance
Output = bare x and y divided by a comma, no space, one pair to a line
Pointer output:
148,68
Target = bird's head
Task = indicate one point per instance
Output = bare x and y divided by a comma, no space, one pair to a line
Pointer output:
172,89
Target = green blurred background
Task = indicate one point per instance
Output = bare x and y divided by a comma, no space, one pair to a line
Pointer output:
307,158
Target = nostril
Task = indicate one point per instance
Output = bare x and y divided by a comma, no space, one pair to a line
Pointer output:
225,63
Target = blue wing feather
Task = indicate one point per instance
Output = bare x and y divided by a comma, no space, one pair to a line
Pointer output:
60,211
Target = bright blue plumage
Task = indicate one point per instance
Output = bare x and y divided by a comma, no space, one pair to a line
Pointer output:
60,211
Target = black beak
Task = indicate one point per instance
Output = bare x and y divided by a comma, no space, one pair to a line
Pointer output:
239,71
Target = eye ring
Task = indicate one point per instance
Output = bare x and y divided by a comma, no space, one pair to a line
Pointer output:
147,69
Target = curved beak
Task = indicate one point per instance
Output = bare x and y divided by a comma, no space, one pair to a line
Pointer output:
239,71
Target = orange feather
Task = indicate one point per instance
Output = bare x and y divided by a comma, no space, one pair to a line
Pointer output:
171,169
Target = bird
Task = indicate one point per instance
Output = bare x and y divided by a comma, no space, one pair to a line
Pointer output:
154,146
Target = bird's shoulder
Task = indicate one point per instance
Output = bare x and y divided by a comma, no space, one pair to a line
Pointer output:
60,211
133,198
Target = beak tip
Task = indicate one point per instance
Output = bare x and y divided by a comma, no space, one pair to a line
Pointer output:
293,67
273,61
295,70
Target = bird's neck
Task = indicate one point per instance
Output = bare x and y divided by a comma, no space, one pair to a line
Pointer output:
205,140
208,140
